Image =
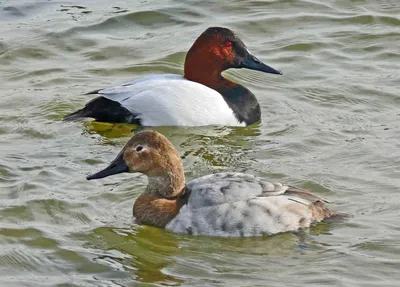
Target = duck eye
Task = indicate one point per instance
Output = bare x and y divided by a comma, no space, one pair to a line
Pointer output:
139,148
228,44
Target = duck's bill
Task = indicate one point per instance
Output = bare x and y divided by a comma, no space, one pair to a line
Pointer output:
118,165
253,63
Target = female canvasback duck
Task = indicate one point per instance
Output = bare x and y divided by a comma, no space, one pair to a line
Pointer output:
222,204
199,98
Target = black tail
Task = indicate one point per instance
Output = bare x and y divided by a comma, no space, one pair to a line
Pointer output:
79,114
104,110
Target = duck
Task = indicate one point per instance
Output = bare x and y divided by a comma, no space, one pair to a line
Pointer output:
227,204
201,97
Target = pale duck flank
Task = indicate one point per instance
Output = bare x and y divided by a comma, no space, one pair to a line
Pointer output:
157,100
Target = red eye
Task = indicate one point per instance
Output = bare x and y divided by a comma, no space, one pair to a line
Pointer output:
228,44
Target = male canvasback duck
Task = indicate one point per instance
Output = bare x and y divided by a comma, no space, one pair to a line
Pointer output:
199,98
224,204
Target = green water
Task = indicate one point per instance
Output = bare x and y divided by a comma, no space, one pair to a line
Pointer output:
330,124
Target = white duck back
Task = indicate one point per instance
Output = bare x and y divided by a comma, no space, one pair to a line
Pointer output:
240,205
172,100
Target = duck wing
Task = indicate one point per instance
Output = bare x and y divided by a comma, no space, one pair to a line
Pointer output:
236,204
160,100
231,187
126,90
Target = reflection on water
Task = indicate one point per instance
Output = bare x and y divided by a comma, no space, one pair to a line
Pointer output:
150,255
330,124
142,253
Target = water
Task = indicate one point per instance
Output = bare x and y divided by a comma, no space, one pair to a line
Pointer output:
330,123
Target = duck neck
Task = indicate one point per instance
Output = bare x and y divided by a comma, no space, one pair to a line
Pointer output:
242,101
206,72
168,185
163,198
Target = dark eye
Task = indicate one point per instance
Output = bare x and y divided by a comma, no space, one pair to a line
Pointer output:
139,148
228,44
